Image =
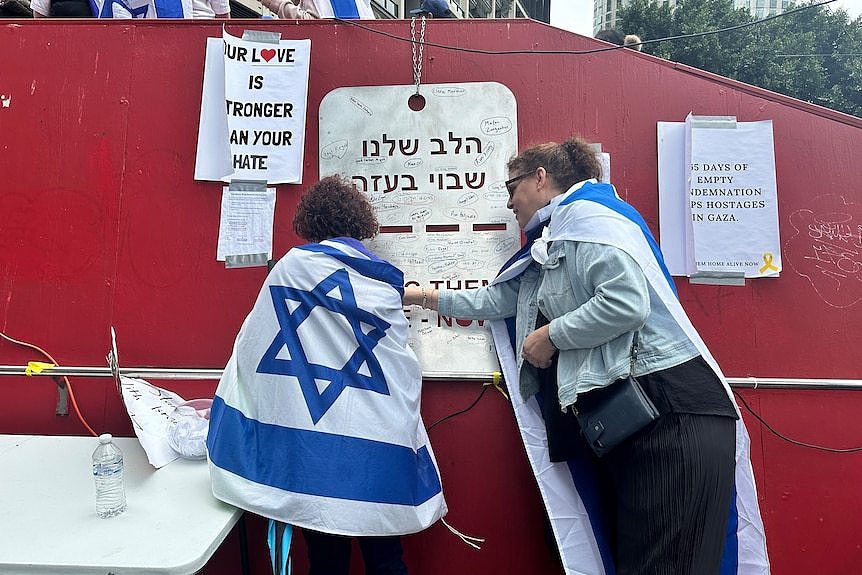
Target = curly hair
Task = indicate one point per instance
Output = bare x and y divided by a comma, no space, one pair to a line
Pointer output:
334,208
567,164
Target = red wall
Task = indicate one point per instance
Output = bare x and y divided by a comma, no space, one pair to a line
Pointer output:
102,224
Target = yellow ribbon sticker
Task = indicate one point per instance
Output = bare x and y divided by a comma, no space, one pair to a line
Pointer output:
37,367
496,379
767,263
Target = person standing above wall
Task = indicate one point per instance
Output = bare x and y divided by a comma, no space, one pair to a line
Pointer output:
201,9
310,9
633,41
292,9
209,9
14,9
61,9
434,9
611,35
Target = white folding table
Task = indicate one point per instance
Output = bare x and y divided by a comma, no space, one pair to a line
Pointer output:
48,523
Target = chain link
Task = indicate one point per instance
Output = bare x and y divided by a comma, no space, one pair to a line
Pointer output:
417,54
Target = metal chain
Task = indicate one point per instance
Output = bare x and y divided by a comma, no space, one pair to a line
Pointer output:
417,55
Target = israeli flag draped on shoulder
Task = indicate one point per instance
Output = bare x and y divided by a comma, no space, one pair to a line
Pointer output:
592,212
316,420
141,8
347,9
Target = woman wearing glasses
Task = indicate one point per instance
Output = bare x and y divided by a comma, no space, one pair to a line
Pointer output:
592,304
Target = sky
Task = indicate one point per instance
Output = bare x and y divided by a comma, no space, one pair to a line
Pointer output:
577,15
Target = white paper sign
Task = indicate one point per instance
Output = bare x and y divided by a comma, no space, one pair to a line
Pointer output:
253,110
245,226
436,178
673,220
605,161
724,217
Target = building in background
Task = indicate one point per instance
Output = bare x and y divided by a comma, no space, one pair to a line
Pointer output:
535,9
763,8
605,11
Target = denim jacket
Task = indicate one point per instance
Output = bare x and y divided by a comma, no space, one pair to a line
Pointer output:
596,297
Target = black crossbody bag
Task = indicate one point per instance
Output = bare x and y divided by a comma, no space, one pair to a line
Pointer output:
609,415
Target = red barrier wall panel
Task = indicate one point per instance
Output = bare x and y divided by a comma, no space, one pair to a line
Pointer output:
102,224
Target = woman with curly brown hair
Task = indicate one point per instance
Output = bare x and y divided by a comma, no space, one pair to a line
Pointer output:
334,208
316,422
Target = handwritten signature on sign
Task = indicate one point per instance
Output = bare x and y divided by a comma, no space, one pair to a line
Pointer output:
826,249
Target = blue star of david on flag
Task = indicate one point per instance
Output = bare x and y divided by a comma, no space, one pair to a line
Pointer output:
351,373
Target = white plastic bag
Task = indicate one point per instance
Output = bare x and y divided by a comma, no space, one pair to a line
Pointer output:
187,429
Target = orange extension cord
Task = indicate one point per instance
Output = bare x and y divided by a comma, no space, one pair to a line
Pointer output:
65,379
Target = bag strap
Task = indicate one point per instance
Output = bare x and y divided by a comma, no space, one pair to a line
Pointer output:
634,354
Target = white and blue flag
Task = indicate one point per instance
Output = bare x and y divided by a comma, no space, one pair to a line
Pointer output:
141,8
347,9
316,420
592,212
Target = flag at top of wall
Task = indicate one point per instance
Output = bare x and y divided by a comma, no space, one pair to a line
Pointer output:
142,8
348,9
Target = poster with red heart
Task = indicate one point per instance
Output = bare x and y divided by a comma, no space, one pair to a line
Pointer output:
253,110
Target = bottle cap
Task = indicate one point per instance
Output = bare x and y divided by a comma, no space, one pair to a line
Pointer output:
105,438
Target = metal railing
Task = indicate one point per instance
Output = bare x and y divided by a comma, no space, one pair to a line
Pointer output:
174,373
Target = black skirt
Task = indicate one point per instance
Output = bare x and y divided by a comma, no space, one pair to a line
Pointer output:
672,489
666,492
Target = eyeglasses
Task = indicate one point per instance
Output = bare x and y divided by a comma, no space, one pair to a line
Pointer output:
511,181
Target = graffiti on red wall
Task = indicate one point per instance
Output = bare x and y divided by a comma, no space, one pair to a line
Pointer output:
826,249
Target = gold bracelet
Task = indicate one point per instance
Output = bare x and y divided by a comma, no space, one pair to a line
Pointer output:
424,298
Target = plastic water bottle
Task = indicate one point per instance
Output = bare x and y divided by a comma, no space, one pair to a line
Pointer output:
108,473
